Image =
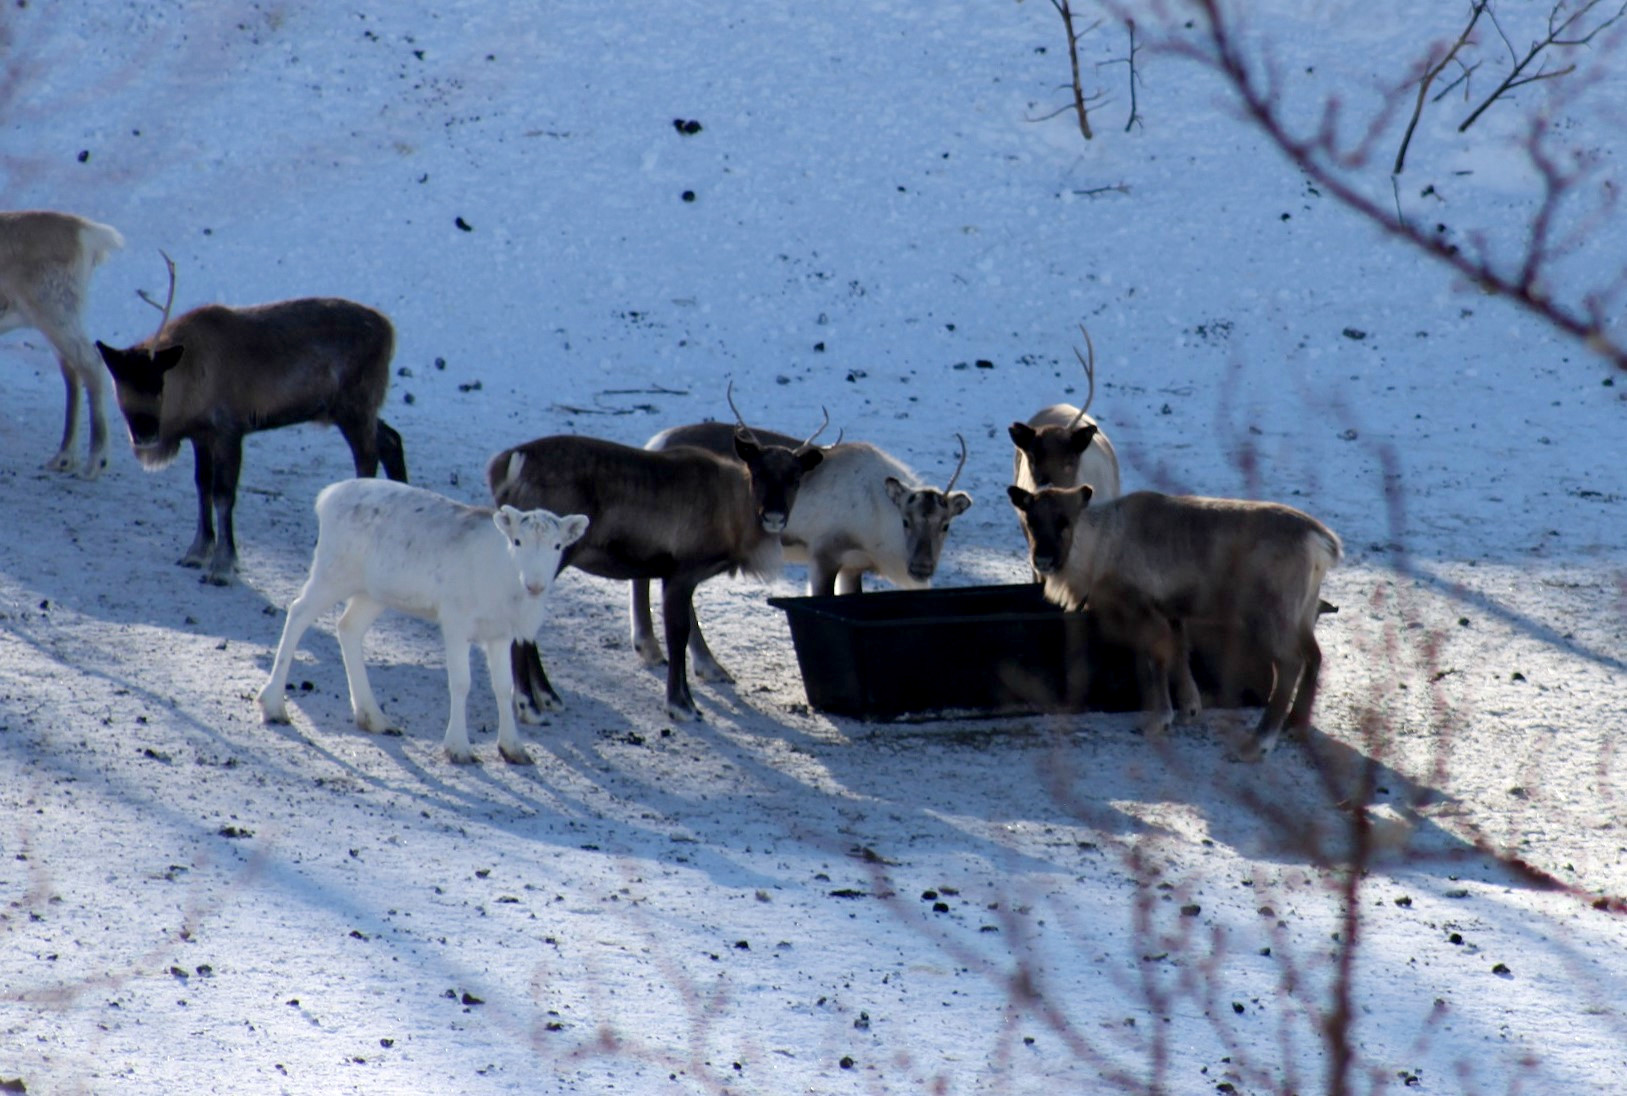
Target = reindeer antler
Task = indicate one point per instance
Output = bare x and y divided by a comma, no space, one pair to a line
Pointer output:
738,417
1090,375
169,301
959,466
820,431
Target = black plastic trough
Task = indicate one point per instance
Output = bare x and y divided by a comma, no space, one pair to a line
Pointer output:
965,651
971,652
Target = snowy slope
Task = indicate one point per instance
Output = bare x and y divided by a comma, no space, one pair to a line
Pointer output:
773,900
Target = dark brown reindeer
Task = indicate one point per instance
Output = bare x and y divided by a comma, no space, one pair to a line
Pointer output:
681,515
1250,572
218,373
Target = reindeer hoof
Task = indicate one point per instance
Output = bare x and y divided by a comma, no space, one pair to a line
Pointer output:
62,462
373,722
531,709
515,755
1157,724
272,708
463,756
682,713
713,673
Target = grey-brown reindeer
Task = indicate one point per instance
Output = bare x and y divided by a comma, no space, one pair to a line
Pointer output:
1062,446
46,259
860,511
218,373
1150,564
681,515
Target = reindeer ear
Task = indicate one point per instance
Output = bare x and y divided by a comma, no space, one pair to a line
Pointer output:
1084,491
168,358
1022,435
506,518
895,490
1082,437
810,457
959,503
573,527
1020,498
744,448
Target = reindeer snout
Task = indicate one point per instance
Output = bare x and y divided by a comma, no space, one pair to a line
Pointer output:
773,522
143,429
536,589
1045,565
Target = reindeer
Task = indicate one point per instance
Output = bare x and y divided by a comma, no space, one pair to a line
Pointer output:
46,259
861,510
218,373
480,573
681,515
1062,446
1150,563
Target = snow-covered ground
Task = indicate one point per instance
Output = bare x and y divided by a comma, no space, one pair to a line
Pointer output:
773,900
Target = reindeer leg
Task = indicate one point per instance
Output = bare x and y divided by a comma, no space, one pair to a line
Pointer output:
498,659
362,437
1285,676
1299,717
1187,696
456,740
823,574
82,368
533,695
63,460
391,452
638,610
302,613
203,475
359,616
707,667
228,460
677,612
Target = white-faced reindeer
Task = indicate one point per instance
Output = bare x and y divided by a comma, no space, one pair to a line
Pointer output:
861,510
46,259
480,573
1151,563
679,515
218,373
1062,446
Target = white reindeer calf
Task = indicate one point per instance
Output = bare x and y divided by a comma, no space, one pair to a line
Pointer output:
480,573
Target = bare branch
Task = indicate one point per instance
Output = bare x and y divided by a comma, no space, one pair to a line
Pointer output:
1319,158
1558,29
1063,9
1430,73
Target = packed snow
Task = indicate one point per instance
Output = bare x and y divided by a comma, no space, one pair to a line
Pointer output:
874,210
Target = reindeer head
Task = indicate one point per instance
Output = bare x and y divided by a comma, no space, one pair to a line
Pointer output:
1048,518
776,477
926,513
138,380
776,470
1053,452
537,540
